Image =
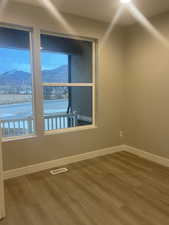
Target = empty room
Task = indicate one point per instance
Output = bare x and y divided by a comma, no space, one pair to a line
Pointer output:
84,112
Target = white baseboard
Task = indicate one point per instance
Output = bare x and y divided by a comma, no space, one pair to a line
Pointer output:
147,155
60,162
89,155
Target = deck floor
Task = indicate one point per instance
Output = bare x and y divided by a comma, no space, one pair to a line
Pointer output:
117,189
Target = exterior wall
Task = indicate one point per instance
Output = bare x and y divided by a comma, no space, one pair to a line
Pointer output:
25,152
81,69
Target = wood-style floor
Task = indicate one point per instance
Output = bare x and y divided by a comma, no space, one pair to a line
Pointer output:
117,189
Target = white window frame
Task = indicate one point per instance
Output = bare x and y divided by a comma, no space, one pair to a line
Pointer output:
30,30
37,87
92,84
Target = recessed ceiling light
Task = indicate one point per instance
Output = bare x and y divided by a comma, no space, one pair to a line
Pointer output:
125,1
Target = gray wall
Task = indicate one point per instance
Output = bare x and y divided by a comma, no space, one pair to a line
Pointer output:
132,91
147,89
109,94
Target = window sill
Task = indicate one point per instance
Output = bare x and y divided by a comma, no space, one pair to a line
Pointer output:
52,132
8,139
72,129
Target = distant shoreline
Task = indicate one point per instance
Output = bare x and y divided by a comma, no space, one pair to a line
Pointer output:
16,99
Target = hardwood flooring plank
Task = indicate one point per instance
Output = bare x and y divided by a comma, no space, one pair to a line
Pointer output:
117,189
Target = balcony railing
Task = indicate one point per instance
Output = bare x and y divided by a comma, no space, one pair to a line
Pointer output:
25,126
60,121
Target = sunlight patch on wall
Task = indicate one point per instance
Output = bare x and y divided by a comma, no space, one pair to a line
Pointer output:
51,8
112,25
145,23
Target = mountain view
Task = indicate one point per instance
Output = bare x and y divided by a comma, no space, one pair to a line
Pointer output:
16,78
16,85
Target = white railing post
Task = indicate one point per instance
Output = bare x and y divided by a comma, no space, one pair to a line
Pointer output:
2,199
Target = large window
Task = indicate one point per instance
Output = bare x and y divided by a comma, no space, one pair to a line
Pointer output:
66,66
16,112
62,91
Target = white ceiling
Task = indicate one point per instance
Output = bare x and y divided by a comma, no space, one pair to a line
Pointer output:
105,9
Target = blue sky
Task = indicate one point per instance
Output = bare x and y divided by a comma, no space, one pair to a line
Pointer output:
14,59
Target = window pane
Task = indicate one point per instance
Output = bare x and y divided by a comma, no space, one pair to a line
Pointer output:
66,60
54,67
55,99
15,83
66,107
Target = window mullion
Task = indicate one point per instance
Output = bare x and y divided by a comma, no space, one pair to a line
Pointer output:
38,95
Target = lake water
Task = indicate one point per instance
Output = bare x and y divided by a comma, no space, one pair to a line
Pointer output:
23,110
